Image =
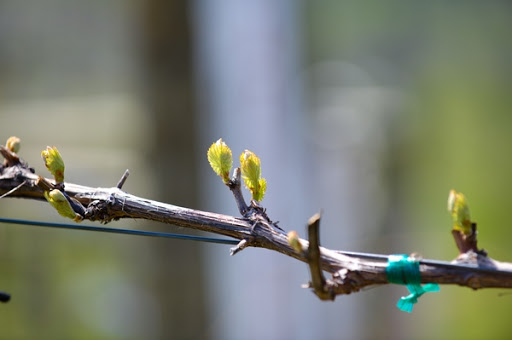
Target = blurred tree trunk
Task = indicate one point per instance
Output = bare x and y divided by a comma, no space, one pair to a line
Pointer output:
168,92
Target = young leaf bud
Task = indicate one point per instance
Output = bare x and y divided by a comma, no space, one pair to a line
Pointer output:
54,163
13,144
293,241
251,174
57,200
221,159
459,209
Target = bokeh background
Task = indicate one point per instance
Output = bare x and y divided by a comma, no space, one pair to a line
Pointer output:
371,112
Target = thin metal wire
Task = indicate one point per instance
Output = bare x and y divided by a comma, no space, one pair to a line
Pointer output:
118,231
377,257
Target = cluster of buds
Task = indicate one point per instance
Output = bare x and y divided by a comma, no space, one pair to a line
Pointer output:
221,161
57,197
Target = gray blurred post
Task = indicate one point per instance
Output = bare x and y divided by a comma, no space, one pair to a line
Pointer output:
176,276
250,85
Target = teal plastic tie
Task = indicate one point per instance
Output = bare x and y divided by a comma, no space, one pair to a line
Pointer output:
405,270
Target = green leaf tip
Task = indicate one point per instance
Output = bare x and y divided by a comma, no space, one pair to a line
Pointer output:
251,174
54,162
221,159
58,200
459,209
13,144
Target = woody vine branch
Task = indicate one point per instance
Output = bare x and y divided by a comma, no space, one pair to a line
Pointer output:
350,271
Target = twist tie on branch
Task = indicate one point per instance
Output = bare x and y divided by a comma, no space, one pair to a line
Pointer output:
405,270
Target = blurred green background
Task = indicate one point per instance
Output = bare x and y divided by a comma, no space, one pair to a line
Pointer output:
371,111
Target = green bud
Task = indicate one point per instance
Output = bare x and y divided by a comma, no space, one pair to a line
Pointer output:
59,201
13,144
251,174
294,242
54,163
221,159
459,209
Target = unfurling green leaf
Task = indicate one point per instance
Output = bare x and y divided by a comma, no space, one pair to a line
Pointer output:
59,201
458,208
54,163
251,174
13,144
221,159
